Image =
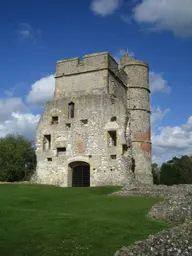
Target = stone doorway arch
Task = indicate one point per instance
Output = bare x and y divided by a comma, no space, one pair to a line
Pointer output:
80,174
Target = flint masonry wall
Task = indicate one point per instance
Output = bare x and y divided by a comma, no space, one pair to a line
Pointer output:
99,90
139,107
86,76
88,142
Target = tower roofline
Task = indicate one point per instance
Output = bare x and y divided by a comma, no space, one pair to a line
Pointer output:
126,60
90,63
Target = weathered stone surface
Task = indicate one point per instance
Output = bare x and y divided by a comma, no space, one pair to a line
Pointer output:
175,208
105,98
175,242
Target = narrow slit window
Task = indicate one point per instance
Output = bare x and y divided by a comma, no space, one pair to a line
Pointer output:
112,138
49,159
133,165
113,99
55,120
125,148
47,142
71,110
61,151
113,156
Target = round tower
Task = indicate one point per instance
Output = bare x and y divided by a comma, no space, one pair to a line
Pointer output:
139,107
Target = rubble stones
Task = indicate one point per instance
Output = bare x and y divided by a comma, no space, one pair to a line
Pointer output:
175,208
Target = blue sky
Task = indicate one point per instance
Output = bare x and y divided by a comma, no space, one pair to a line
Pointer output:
36,34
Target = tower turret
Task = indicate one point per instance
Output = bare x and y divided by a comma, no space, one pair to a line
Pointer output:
139,107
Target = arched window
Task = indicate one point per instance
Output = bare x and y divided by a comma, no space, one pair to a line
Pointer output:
71,110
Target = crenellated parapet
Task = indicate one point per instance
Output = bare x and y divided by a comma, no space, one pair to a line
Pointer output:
90,63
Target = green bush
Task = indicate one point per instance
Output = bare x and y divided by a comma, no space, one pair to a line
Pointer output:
175,171
17,158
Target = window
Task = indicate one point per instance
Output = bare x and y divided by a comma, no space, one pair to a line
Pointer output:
84,121
49,159
55,120
125,148
71,110
46,142
61,151
133,165
113,99
68,125
113,156
113,119
112,138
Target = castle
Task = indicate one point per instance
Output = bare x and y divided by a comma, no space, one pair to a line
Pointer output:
96,131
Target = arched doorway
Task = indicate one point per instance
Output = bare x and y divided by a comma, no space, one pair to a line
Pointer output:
80,174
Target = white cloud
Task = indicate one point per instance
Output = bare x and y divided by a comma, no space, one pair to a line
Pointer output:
105,7
156,116
42,91
20,123
169,141
15,117
158,83
26,32
177,137
9,105
171,15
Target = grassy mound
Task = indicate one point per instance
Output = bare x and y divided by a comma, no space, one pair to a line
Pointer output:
52,221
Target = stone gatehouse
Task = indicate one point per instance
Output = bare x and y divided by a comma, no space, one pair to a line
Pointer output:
96,130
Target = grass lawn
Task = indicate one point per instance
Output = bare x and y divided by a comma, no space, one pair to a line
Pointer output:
44,220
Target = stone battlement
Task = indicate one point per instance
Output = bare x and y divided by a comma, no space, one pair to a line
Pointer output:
90,63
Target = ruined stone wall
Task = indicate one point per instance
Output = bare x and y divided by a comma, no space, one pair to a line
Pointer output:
86,76
81,84
176,208
139,107
100,90
84,142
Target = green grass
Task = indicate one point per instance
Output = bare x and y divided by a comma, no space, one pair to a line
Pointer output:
44,220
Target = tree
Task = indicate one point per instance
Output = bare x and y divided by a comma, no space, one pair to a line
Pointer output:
156,174
177,171
185,165
17,158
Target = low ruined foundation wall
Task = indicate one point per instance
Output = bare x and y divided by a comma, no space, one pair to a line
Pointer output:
175,208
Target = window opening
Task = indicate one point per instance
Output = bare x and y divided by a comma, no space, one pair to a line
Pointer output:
55,120
68,125
47,142
84,121
71,110
113,119
125,148
112,138
61,151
